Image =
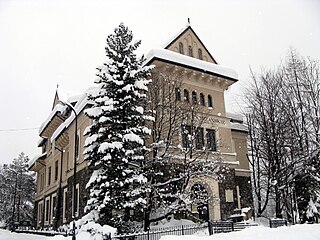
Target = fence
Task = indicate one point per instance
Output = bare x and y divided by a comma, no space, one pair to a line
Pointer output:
274,223
156,234
213,227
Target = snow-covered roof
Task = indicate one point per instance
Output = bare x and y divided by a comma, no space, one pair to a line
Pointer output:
67,96
235,116
41,141
57,109
239,127
80,105
173,37
186,61
33,160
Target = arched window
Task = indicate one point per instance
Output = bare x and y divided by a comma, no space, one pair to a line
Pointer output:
186,95
209,101
200,54
202,101
190,51
181,47
178,95
194,97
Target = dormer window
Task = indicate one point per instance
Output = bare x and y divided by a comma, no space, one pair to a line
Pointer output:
181,48
190,51
200,54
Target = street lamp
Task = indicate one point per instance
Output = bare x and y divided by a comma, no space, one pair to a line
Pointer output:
74,167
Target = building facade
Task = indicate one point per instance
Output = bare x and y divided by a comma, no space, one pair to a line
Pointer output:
203,83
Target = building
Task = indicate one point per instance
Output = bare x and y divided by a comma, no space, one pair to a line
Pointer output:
204,82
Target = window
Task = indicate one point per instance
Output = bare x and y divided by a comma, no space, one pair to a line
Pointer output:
209,101
77,201
186,95
200,54
186,136
178,95
65,204
181,48
68,160
47,210
194,97
190,51
42,181
49,176
77,147
211,140
202,101
56,170
199,138
40,212
53,207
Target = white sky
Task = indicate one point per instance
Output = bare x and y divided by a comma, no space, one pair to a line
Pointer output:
45,43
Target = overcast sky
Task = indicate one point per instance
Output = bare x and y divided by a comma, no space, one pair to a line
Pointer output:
45,43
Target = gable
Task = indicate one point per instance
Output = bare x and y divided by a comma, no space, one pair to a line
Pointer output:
56,99
188,38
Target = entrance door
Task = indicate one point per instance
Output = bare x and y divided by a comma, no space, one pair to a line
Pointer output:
200,198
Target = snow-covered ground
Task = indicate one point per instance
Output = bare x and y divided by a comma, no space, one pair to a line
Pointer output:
297,232
7,235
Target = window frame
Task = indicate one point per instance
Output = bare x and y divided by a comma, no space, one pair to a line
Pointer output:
181,48
210,101
200,54
186,96
194,97
190,51
202,99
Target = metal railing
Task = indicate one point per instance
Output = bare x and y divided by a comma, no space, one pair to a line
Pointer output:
156,234
274,223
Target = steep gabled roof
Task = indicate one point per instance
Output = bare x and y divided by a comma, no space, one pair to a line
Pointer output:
183,31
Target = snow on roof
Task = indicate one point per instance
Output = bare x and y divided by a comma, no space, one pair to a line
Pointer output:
57,109
40,141
173,37
68,97
81,103
33,160
239,127
187,61
235,116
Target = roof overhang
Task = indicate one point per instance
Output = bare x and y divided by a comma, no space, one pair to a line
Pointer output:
37,162
181,60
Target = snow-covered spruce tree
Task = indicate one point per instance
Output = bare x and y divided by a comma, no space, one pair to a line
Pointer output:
115,145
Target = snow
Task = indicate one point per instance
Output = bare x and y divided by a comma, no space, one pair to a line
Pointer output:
296,232
173,37
104,146
57,109
33,160
131,137
178,58
239,127
78,108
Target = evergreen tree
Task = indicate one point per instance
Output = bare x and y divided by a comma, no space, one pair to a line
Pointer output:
17,190
115,146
